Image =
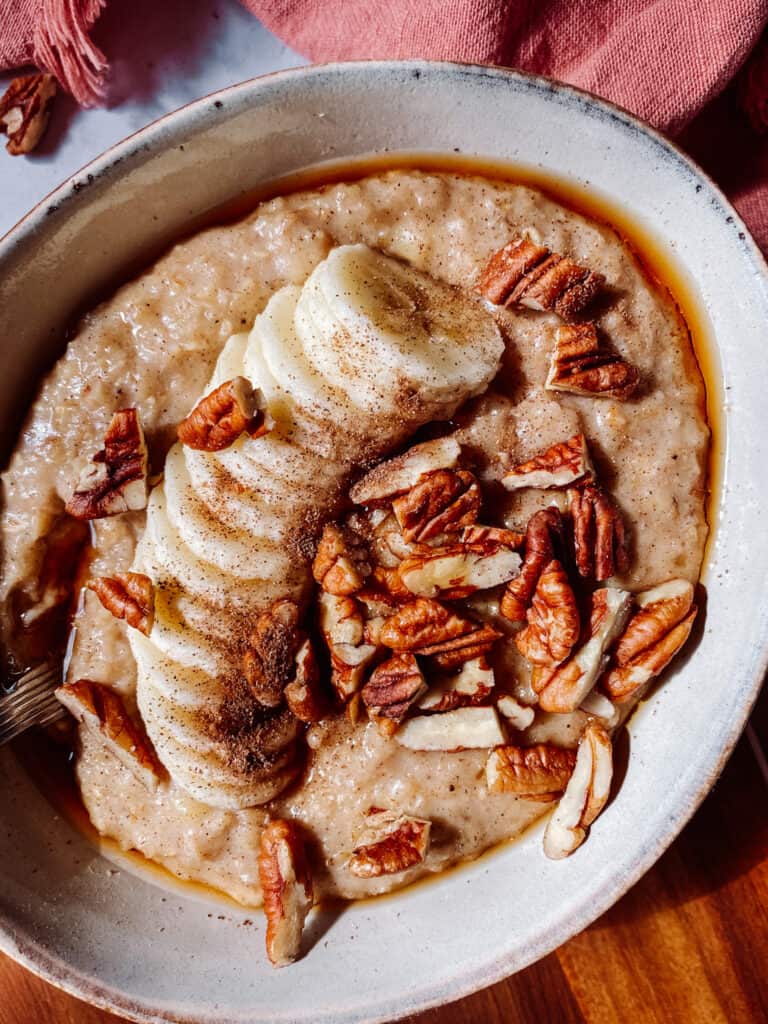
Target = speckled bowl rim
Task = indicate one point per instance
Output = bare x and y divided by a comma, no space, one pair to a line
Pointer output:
47,966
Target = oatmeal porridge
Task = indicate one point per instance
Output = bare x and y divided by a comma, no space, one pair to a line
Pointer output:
419,516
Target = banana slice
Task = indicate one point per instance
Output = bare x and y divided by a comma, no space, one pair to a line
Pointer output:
350,366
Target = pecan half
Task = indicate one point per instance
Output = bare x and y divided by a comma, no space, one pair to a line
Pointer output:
390,843
553,619
102,710
471,685
342,626
216,422
580,365
585,795
463,729
116,479
599,536
269,657
24,111
528,274
422,623
458,570
341,564
563,688
303,694
442,502
560,465
286,884
530,771
653,636
392,689
450,654
543,542
129,596
398,475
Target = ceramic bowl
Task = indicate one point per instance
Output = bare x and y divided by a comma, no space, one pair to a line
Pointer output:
152,954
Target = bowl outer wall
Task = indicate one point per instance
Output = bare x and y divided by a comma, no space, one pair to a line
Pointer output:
153,954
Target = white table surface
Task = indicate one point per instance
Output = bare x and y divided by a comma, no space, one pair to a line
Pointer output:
163,54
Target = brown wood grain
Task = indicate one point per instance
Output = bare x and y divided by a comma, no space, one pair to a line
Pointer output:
689,943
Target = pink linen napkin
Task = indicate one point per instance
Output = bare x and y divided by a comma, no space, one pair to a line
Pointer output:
696,69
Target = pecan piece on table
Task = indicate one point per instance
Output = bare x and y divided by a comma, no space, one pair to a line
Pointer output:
341,564
441,502
580,365
541,771
116,479
553,619
390,843
218,419
561,465
653,636
102,710
528,274
286,884
269,658
393,688
585,795
127,595
544,541
599,535
24,111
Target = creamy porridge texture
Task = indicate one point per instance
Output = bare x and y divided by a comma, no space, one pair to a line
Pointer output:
154,346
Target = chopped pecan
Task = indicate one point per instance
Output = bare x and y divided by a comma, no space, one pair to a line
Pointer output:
286,884
390,843
585,795
599,536
404,471
421,623
232,409
116,479
528,274
563,688
442,502
471,685
553,619
387,545
303,694
458,570
24,111
462,729
543,543
653,636
129,596
477,534
520,716
582,366
560,465
388,584
341,564
341,622
597,705
392,689
102,710
269,658
529,771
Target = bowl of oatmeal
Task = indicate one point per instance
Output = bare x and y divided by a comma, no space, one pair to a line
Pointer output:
368,459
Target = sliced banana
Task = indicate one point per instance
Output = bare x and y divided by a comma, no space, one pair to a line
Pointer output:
350,365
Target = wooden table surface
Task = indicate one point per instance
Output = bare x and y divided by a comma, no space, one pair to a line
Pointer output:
688,943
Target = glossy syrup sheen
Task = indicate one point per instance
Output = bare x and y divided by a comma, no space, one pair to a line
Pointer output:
50,767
